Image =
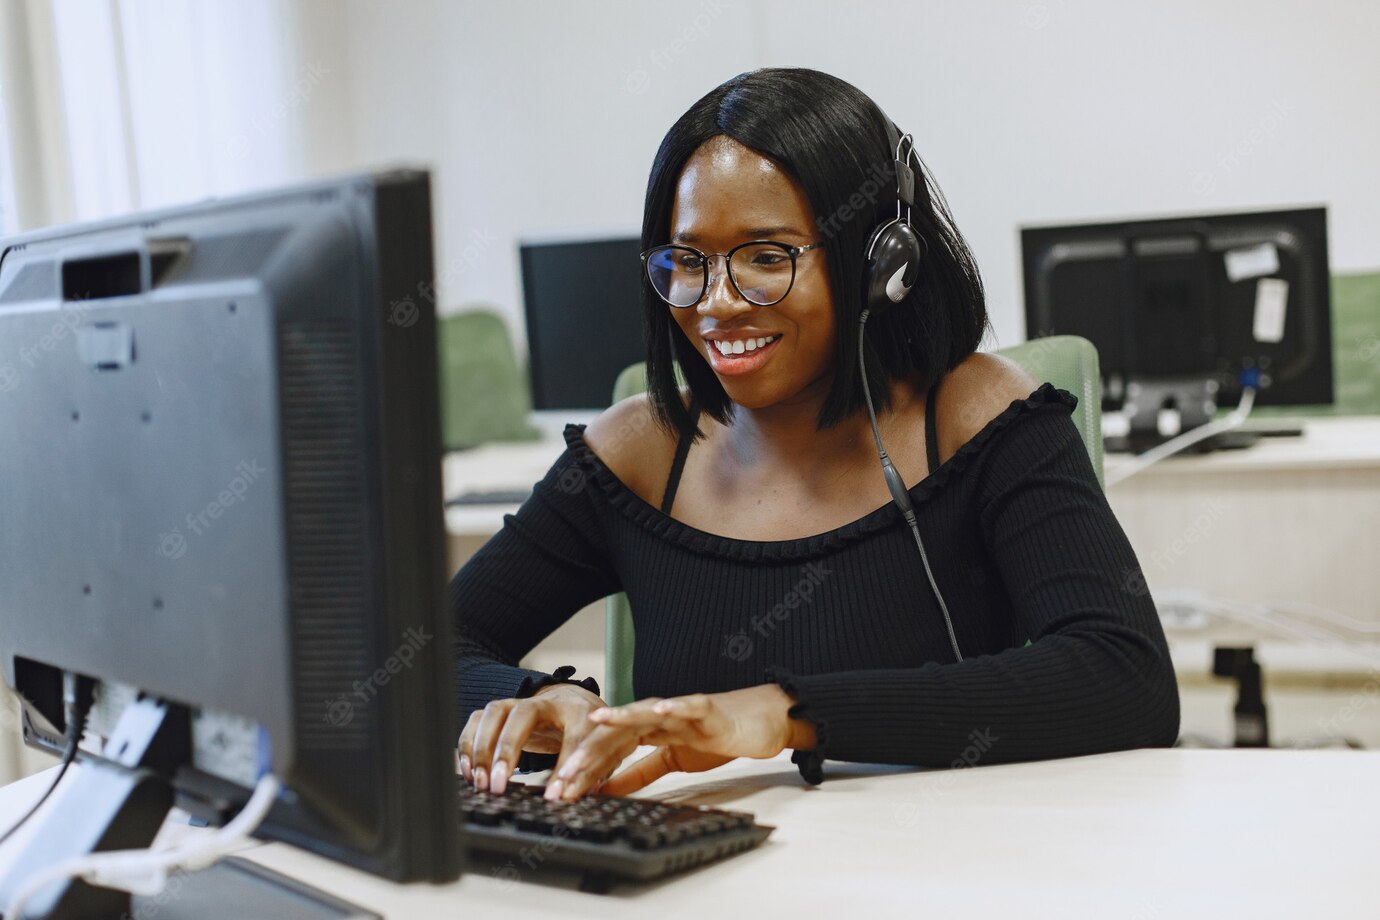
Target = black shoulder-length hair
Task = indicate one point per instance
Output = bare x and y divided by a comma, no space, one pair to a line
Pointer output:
831,139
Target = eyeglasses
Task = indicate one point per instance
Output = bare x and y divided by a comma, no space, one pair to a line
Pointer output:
762,271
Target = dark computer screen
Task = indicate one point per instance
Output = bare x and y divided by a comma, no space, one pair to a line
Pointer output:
1214,296
220,475
584,319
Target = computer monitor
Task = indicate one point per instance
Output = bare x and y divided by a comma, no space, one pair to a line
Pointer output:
1217,301
583,301
220,475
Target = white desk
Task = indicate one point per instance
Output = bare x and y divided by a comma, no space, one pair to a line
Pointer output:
1139,834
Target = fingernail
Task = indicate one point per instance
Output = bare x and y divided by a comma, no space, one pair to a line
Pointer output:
499,779
568,792
663,707
465,766
481,778
553,790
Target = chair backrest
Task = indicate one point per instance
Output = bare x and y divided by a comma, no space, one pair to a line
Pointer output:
484,393
1067,361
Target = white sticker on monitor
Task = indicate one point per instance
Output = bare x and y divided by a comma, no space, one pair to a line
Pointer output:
1251,261
1271,298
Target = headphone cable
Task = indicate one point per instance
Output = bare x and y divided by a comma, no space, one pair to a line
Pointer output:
899,494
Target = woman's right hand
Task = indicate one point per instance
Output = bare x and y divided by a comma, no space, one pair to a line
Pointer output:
554,720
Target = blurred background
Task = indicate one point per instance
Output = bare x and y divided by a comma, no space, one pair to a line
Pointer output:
539,121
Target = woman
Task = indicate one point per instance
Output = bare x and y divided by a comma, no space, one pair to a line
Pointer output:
779,598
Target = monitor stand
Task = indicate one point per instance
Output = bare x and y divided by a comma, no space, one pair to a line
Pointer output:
118,801
254,890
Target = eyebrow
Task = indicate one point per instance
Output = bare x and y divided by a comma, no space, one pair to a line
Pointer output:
752,233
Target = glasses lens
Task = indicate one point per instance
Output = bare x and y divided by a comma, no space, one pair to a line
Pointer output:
677,274
763,272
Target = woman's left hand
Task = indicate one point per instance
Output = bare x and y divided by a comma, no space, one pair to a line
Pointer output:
692,733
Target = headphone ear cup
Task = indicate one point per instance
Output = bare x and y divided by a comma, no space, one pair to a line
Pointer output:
893,265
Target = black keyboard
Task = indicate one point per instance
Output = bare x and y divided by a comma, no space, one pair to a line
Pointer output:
604,838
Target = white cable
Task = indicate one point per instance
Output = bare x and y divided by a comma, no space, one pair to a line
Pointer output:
1325,617
1187,439
1288,625
146,871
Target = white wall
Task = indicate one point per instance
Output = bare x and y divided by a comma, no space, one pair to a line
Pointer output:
543,116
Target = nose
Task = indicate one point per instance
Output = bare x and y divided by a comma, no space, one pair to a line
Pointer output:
721,299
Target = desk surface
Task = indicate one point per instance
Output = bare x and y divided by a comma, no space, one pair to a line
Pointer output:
1327,442
1137,834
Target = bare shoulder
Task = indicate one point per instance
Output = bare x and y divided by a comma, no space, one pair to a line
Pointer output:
980,388
627,438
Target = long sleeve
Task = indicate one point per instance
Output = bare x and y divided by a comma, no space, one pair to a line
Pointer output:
548,561
1096,676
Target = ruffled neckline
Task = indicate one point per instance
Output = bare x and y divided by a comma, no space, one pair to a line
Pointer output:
653,519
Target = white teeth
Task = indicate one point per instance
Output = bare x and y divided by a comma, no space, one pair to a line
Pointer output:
744,345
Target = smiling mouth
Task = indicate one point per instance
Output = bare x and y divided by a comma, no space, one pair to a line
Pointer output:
741,346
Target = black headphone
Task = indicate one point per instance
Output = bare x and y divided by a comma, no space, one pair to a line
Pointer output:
892,268
893,250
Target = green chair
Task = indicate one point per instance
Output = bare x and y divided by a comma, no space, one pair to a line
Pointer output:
1355,353
1067,361
484,392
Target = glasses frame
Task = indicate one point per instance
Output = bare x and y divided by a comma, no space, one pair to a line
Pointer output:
794,251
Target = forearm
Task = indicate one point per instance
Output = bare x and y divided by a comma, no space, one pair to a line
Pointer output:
1064,696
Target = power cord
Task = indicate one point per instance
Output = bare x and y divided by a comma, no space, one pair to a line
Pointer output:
76,702
146,871
1157,453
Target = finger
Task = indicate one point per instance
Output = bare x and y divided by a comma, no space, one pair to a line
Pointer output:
486,737
466,745
516,730
635,718
597,772
640,773
628,710
601,750
692,706
571,739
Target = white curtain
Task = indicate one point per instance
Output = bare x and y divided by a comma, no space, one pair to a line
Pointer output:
120,105
110,106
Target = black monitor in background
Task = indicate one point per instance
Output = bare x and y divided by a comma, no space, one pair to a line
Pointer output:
584,319
220,475
1223,299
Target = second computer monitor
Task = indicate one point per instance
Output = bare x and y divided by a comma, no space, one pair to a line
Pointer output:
1227,297
584,318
